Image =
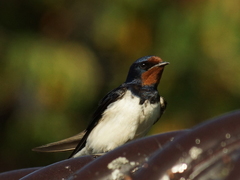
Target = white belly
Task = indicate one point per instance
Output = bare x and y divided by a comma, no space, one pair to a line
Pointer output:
121,122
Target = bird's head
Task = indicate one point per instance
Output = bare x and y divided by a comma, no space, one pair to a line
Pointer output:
146,71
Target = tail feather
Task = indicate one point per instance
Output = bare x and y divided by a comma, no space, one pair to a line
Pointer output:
67,144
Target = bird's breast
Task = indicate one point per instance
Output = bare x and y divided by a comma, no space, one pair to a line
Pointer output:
122,121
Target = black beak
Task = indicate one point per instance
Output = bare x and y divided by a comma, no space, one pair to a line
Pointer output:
161,64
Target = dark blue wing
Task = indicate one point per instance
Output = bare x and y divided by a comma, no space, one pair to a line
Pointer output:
111,97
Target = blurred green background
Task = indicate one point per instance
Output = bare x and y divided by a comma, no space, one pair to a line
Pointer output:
58,58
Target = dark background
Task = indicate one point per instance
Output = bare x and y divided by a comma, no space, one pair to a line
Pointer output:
58,58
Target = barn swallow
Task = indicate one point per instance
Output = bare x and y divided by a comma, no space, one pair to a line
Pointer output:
124,114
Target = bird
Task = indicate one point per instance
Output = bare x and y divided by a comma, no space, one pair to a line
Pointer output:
124,114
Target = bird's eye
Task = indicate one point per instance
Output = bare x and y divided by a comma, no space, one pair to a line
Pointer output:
143,65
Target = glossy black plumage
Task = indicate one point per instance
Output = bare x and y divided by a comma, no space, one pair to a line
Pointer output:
142,81
111,97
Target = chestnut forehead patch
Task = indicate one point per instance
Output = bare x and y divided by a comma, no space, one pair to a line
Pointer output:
154,60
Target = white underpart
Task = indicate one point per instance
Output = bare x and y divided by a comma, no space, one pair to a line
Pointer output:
124,120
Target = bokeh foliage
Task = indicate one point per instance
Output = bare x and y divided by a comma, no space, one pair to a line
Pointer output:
58,58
